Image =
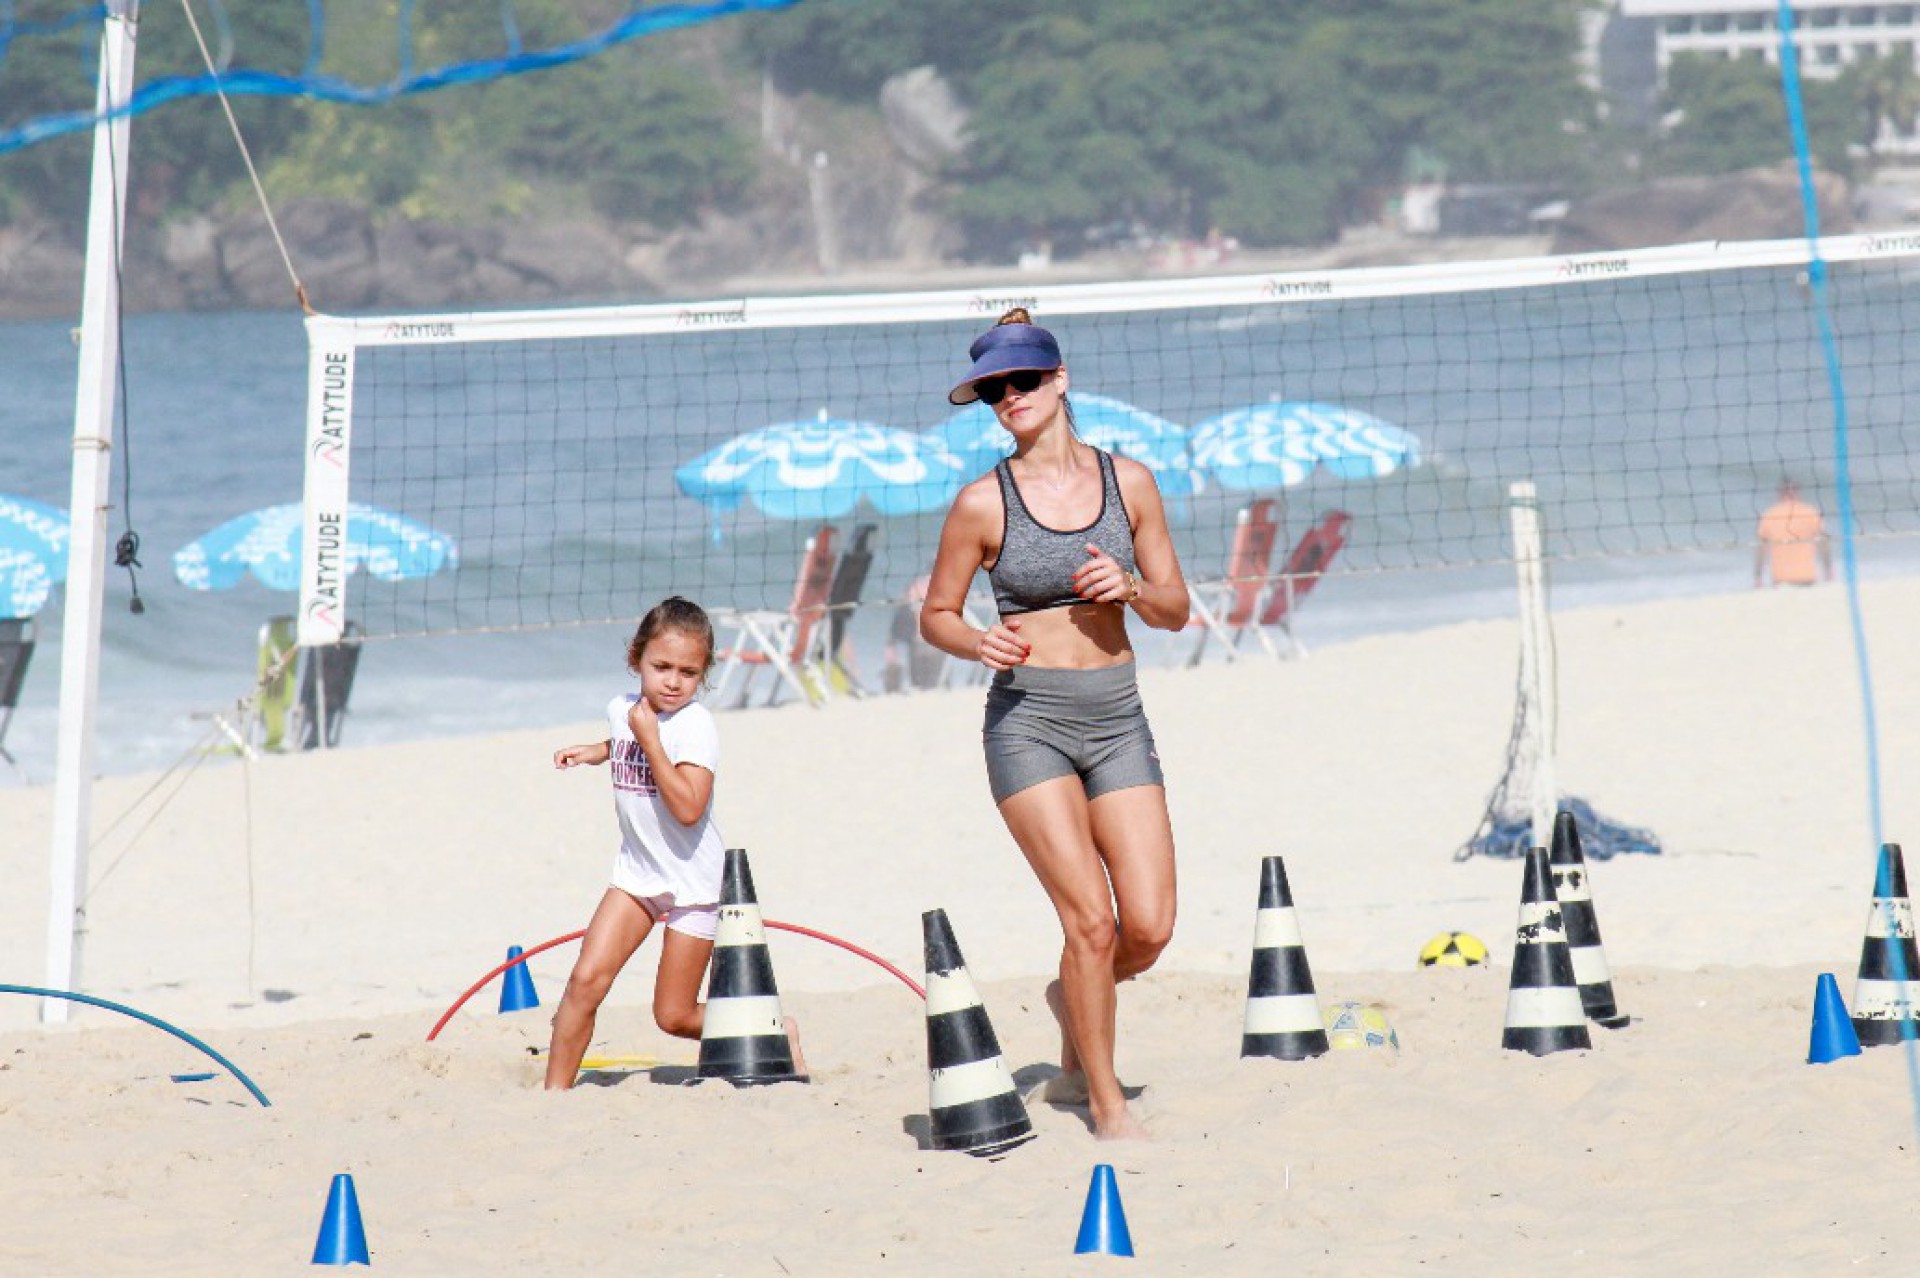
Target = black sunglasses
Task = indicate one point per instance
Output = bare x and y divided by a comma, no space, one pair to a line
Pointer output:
992,390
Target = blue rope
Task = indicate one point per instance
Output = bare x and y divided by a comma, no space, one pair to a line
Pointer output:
326,88
1843,481
154,1021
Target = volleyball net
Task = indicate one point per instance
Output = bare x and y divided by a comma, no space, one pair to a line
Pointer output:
586,462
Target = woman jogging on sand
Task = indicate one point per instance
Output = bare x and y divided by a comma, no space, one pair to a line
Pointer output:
1071,538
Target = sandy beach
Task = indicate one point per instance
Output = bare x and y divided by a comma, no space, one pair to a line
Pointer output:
312,916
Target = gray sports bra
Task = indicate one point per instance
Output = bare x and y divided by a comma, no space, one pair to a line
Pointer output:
1035,568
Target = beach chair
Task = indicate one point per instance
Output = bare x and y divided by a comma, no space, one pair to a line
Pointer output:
273,682
16,651
781,641
326,682
261,719
1226,609
1302,571
843,597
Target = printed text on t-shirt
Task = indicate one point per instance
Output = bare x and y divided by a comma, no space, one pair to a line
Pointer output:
631,771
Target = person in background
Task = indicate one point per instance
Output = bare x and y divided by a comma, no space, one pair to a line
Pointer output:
1792,539
910,661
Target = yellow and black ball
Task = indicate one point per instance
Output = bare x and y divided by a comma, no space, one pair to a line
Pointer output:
1453,949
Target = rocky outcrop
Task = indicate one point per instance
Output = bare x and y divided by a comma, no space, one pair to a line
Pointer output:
40,272
348,260
859,191
1754,204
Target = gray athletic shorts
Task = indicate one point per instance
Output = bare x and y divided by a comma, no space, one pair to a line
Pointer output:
1043,724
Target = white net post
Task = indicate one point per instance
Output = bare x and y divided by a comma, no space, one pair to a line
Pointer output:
1537,674
95,398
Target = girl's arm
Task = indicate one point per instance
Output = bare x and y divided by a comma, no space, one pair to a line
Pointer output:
685,788
594,753
962,551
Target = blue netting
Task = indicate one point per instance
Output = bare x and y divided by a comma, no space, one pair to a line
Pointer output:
1508,837
243,81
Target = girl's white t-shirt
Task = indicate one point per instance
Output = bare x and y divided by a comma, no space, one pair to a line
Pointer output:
658,854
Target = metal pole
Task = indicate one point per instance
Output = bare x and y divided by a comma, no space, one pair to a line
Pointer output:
94,400
1536,655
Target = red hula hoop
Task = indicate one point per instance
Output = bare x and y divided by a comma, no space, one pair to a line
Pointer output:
544,946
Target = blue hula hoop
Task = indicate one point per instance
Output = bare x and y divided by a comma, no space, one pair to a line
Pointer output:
154,1021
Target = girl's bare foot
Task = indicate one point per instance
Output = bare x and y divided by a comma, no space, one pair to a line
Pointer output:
793,1046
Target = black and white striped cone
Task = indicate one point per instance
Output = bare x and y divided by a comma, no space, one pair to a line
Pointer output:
1283,1012
1543,1003
1884,996
1575,894
974,1104
743,1037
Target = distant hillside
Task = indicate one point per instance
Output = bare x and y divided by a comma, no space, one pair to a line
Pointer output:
845,136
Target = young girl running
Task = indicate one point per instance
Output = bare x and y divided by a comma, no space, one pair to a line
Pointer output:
664,748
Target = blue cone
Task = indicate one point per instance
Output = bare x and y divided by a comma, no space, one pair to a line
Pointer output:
1103,1225
342,1240
1833,1032
516,985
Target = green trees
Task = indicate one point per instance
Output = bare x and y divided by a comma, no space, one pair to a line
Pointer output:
1272,120
635,133
1727,116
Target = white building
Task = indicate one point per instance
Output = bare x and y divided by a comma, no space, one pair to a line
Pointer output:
1830,35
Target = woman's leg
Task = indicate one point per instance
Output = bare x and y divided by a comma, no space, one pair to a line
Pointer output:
1134,835
677,1008
618,927
1051,823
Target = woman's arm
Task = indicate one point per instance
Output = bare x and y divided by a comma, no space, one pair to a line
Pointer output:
1162,601
963,542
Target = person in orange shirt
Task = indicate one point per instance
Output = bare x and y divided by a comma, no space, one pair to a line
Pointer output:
1792,537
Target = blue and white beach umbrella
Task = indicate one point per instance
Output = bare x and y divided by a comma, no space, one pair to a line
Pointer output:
33,554
979,439
1278,445
821,469
266,543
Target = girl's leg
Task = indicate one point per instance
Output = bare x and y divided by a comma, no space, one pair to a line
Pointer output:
618,927
1051,823
677,1008
1134,835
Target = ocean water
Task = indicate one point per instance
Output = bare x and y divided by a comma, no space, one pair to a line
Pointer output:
1652,477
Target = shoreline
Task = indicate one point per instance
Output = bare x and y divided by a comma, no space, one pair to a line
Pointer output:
51,291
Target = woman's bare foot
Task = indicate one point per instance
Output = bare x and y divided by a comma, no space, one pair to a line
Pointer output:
1118,1125
1062,1089
1069,1059
793,1047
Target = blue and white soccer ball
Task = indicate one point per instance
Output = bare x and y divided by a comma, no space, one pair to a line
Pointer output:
1351,1025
